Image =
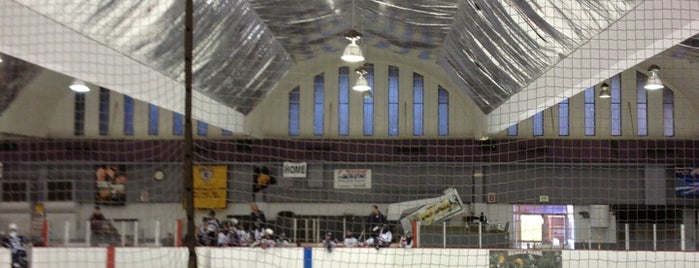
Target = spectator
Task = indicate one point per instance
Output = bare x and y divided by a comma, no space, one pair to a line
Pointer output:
100,228
383,240
329,242
350,240
257,215
375,220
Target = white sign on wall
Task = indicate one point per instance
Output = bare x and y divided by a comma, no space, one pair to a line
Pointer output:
352,179
294,170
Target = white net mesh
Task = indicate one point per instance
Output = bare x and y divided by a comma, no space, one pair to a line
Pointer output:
551,175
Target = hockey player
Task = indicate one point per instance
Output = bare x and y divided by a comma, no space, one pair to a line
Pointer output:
16,242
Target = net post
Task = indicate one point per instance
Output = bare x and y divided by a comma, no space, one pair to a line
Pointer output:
416,233
188,143
178,233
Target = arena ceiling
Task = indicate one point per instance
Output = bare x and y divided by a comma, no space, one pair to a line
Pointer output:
512,58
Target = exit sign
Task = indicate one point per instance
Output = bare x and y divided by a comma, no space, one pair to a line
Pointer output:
544,198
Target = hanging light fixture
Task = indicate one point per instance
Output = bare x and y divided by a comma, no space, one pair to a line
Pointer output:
654,82
362,83
352,53
79,86
605,93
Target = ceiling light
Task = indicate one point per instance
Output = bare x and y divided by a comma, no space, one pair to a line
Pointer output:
79,86
367,94
362,83
352,52
654,82
605,93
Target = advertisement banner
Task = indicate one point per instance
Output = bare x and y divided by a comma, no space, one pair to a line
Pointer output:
210,186
687,181
526,258
352,179
294,170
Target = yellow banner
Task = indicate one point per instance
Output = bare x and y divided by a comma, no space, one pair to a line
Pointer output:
210,186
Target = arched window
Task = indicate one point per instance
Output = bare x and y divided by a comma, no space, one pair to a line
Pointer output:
668,112
343,101
590,111
393,101
442,111
418,104
641,104
615,87
564,117
369,102
318,104
294,111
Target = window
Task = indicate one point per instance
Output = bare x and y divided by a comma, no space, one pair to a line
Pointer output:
369,102
177,124
79,115
564,118
226,132
153,114
668,112
393,101
14,191
538,124
318,88
202,128
104,112
418,105
512,130
59,191
615,87
343,101
128,115
294,111
443,111
590,111
642,104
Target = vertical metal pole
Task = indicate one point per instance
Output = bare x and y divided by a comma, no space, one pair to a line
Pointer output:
157,234
655,238
682,237
480,235
626,236
135,233
306,236
88,234
188,146
294,229
123,233
344,226
444,234
66,233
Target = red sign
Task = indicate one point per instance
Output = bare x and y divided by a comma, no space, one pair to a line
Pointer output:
491,197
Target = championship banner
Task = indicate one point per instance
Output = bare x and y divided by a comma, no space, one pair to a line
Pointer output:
294,170
687,181
352,179
210,186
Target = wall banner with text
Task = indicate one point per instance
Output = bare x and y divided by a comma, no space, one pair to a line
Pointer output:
294,170
352,179
210,186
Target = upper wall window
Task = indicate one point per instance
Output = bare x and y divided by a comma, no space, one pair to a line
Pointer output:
393,101
318,104
442,111
564,117
538,124
177,124
513,130
590,111
418,105
79,115
128,115
615,87
294,111
343,101
369,102
668,112
153,118
104,112
641,104
202,128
